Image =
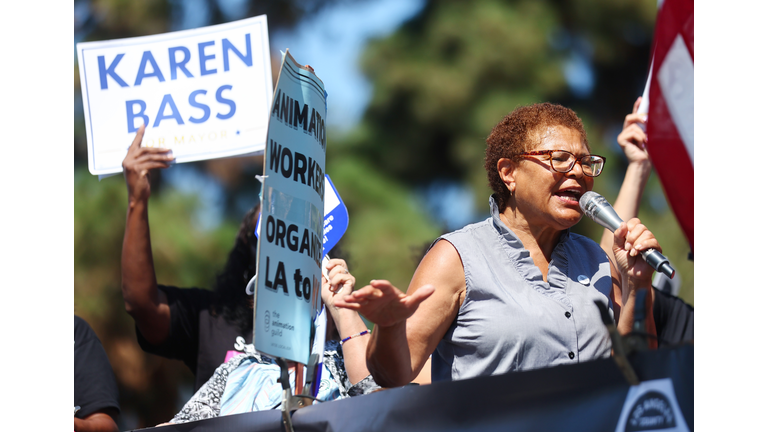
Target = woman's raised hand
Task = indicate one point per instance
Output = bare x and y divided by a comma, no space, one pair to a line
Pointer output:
632,138
137,163
341,282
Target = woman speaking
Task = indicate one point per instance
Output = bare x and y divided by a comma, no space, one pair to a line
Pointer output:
518,290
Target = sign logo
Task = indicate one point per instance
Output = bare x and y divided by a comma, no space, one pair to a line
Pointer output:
652,411
266,321
652,406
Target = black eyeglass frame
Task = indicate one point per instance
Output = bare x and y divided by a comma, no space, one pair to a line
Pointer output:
573,159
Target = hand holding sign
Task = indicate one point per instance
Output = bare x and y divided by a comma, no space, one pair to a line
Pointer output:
137,164
340,282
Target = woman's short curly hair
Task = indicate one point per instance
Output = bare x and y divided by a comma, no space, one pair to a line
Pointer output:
520,131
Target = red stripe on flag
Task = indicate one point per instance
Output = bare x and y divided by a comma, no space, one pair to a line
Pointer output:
665,146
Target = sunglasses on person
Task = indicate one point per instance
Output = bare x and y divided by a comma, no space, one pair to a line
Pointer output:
562,161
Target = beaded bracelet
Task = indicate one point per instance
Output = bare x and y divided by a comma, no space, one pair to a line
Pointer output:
365,332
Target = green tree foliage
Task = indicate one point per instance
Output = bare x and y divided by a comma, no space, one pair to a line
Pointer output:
388,228
450,74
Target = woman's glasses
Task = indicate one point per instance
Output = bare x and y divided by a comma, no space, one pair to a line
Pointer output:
563,161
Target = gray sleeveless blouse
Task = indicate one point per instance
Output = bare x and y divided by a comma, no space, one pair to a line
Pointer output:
511,320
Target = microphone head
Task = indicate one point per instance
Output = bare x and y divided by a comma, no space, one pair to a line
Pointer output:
589,202
599,210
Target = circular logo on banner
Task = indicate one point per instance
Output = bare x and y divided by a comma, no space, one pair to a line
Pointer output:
266,321
652,411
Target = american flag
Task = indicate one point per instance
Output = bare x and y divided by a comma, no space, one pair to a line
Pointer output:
670,110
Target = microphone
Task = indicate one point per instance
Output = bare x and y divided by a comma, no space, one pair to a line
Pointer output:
600,210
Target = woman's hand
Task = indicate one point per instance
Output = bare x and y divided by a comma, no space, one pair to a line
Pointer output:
632,138
630,239
341,282
137,164
384,304
347,322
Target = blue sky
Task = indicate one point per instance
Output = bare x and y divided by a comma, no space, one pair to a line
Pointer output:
332,41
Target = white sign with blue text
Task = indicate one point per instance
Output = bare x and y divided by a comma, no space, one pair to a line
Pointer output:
290,248
204,93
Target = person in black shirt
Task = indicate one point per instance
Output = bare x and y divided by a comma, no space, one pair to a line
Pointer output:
673,317
200,327
96,395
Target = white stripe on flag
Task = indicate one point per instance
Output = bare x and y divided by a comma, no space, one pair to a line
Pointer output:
676,82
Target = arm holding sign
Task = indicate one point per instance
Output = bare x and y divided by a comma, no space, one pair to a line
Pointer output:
143,300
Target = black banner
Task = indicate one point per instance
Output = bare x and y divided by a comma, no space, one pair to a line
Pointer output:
586,396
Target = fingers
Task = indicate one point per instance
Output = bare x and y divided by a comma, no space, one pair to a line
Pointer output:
634,118
378,289
367,293
414,300
139,136
336,266
336,288
632,134
142,158
620,234
383,284
137,149
636,106
152,156
639,238
354,301
155,164
341,302
339,275
342,282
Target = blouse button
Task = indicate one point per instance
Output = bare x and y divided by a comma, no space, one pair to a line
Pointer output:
567,314
571,355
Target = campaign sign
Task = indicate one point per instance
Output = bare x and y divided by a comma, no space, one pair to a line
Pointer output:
204,93
336,217
290,247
